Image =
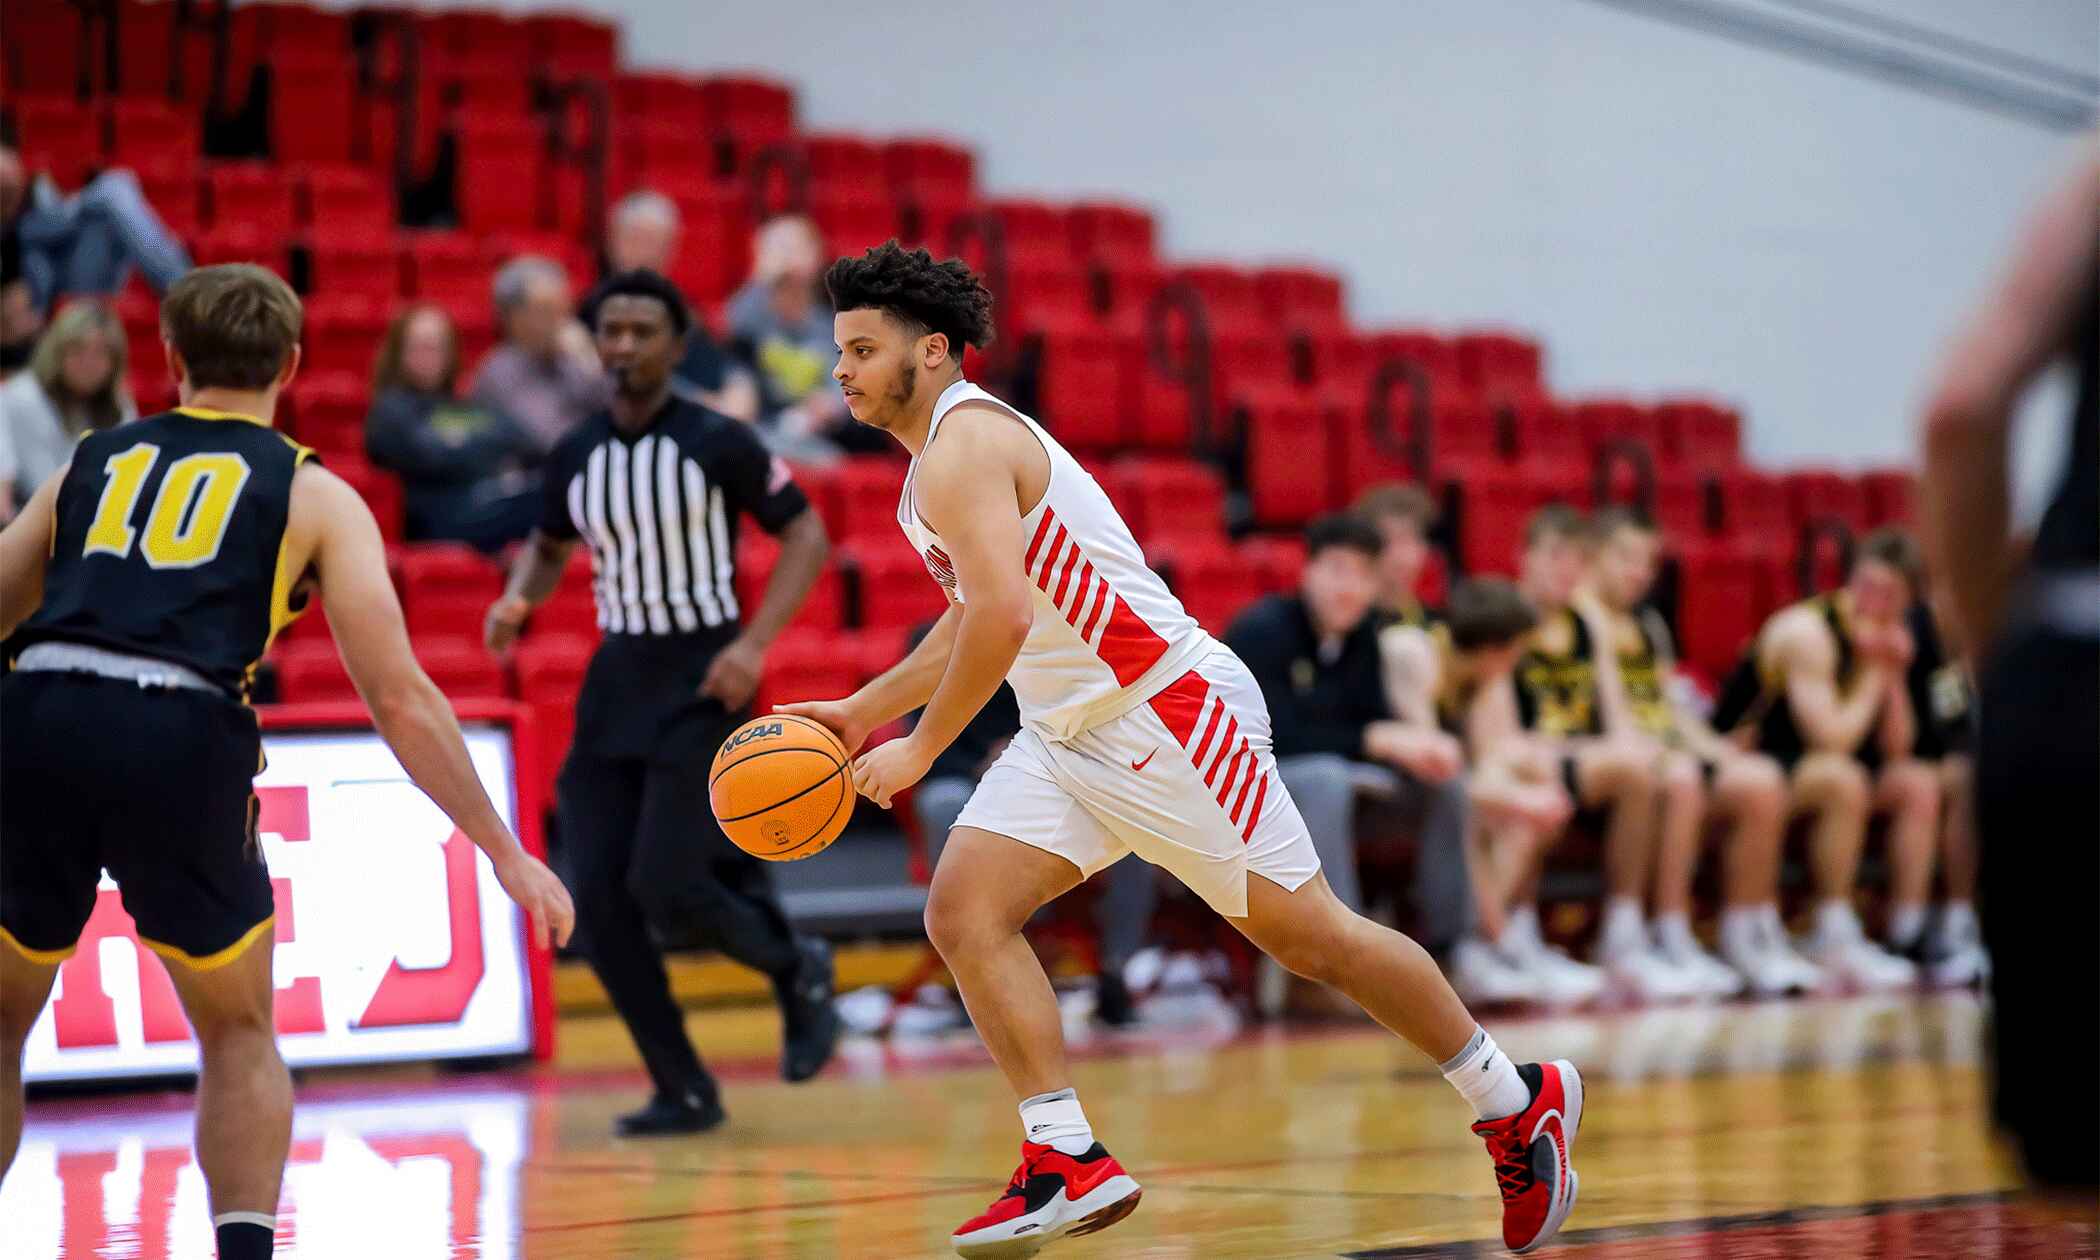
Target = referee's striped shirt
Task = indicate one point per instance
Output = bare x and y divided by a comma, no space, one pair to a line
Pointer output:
659,512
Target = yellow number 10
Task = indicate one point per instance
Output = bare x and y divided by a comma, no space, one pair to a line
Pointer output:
189,516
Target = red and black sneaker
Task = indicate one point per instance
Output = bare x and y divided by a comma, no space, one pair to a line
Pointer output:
1052,1194
1534,1154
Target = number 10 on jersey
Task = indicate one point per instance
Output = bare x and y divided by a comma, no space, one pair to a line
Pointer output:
190,513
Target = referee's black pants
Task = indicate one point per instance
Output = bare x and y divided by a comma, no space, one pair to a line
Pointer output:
647,863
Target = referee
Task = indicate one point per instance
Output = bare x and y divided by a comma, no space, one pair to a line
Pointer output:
655,486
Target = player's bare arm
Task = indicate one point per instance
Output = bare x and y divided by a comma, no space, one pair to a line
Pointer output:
2024,323
1829,720
332,530
1413,742
967,490
898,690
733,676
1611,688
534,574
25,548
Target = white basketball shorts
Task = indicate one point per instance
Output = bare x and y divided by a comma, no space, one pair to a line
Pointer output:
1186,781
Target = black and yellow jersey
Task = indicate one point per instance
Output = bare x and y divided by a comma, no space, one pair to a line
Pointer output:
1643,645
167,541
1754,697
1454,694
1557,678
1415,615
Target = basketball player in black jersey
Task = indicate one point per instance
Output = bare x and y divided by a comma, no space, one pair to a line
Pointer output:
2037,620
146,580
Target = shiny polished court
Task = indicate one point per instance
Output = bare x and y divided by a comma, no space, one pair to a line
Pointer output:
1849,1128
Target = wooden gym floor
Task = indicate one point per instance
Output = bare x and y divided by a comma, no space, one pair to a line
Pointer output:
1847,1128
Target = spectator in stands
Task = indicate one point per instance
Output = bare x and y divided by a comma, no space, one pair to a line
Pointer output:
1404,515
462,466
1704,776
545,375
1316,655
1456,676
1821,690
75,385
1130,890
780,322
84,244
1569,695
19,321
642,234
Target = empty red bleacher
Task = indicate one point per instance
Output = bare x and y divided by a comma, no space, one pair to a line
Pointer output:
894,589
1291,461
1821,493
1699,434
446,589
1163,498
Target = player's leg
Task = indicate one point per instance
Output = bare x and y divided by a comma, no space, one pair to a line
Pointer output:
983,892
1677,815
1909,792
1621,776
1835,789
599,802
1954,953
244,1093
1687,800
24,986
1751,794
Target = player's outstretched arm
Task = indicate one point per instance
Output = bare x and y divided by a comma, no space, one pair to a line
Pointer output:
412,715
25,548
898,690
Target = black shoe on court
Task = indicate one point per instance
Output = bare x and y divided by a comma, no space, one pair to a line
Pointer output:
810,1019
693,1111
1113,1004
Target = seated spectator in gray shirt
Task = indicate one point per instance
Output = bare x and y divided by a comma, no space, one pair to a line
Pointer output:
545,375
780,323
643,233
74,385
461,465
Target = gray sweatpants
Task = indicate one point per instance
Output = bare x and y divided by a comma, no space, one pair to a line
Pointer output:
1329,789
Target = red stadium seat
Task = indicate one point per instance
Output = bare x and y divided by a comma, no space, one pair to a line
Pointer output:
824,611
868,488
239,242
854,220
58,137
169,181
924,169
1816,494
1291,461
1435,354
1032,228
312,673
1891,496
341,200
567,613
343,333
1492,505
53,31
312,107
749,110
142,130
1229,294
1700,434
1209,578
571,45
1277,560
357,262
1079,384
380,491
874,651
550,671
1754,506
251,195
1721,602
446,589
462,668
1106,231
1600,421
1333,358
479,34
446,263
895,590
1302,297
1164,498
1495,362
328,410
658,96
807,666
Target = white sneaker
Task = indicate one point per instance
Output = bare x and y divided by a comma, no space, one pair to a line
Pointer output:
1649,976
1483,977
1561,980
1861,963
1774,968
1960,967
1713,977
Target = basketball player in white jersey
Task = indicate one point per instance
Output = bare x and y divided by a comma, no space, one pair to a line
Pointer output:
1140,733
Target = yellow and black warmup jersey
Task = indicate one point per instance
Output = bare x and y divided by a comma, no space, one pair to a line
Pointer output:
1643,644
1454,694
167,542
1754,693
1557,678
1415,615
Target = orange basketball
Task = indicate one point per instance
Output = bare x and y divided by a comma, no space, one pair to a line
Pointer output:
781,788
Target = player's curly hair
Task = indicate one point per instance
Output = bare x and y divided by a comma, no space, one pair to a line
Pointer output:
910,287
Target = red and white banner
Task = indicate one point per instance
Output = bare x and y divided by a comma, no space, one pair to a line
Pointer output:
394,940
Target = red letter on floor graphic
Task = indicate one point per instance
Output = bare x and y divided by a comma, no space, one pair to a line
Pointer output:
438,995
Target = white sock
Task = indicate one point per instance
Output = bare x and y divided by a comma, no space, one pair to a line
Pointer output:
1674,933
1958,923
1906,924
1520,932
1836,923
1625,930
1486,1078
1055,1119
1742,931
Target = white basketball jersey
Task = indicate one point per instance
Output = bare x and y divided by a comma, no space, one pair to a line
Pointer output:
1108,635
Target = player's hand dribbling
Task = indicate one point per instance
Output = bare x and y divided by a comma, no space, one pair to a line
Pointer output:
540,894
506,617
882,772
836,716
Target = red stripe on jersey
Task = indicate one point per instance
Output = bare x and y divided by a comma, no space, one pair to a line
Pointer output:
1064,580
1232,773
1101,596
1216,715
1254,815
1129,645
1035,544
1239,802
1181,704
1057,542
1210,776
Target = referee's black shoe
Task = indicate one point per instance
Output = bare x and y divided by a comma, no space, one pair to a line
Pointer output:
694,1110
811,1020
